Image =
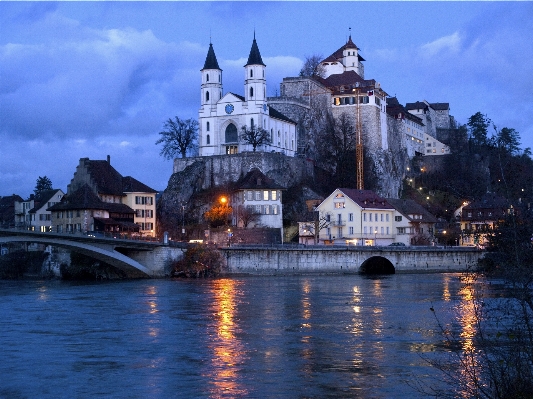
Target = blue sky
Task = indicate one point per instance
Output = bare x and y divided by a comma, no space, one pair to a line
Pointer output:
91,79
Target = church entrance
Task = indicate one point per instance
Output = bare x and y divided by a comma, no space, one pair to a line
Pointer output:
231,136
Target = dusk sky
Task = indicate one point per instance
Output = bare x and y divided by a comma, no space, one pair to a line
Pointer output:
91,79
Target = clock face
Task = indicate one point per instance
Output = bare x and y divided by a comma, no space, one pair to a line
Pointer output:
229,108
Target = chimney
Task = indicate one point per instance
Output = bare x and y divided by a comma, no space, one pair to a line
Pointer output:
109,159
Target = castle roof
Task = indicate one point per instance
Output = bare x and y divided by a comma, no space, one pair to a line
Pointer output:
394,108
338,55
211,59
440,106
255,56
343,83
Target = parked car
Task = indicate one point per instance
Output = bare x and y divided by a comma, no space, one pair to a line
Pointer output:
397,244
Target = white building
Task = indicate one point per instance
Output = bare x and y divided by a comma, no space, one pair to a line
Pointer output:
257,202
41,217
222,116
356,217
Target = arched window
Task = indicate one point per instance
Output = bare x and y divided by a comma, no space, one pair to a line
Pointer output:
218,78
207,78
208,139
231,134
252,122
206,96
207,127
251,92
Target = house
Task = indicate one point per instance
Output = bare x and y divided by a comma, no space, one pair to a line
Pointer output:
256,201
40,216
356,217
22,212
100,199
481,216
413,224
7,210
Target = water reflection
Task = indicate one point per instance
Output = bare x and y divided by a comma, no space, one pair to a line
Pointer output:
228,350
153,309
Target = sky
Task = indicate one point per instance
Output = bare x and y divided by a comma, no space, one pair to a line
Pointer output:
91,79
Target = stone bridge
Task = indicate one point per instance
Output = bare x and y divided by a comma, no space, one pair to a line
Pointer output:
349,259
136,258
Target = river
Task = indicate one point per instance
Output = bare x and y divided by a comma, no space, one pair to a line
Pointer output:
345,336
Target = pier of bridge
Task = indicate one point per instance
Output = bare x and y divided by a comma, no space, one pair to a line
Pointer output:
135,257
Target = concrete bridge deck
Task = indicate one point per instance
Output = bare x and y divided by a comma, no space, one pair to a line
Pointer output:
135,257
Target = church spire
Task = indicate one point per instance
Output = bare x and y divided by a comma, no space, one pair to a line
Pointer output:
255,56
211,59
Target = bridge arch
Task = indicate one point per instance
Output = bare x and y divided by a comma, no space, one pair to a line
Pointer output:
103,252
377,265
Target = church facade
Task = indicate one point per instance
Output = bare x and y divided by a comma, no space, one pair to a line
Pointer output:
222,117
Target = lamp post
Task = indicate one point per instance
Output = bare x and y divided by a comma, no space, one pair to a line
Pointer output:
375,237
183,220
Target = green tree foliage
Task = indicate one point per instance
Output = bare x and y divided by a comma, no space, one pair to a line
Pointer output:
478,125
508,140
42,184
179,137
255,136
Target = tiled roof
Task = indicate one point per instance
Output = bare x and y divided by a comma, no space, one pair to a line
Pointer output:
409,207
417,105
255,56
107,179
85,198
337,55
45,196
132,185
211,59
366,198
488,201
394,108
255,179
440,106
278,115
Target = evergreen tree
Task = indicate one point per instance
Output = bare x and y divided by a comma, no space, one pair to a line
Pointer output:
42,184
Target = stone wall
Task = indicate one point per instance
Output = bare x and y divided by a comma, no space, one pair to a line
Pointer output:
345,260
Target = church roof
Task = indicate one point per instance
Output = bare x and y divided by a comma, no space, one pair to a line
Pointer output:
255,56
278,115
211,59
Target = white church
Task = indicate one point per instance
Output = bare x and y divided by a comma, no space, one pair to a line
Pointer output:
222,116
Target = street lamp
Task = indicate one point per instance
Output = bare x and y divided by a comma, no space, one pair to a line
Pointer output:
375,237
183,220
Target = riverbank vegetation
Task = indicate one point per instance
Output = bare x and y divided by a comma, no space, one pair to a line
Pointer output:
491,356
20,263
199,261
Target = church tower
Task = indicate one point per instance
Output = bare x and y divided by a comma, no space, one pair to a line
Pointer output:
211,80
254,80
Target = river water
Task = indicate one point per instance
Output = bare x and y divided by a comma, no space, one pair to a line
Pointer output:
344,336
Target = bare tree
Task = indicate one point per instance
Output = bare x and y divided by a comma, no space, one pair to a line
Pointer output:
247,215
321,222
255,136
312,66
179,137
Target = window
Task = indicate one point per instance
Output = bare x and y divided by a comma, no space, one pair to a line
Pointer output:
387,230
351,230
381,217
401,230
382,231
274,195
350,217
267,210
364,216
397,218
375,217
258,195
370,217
328,218
206,96
364,230
231,134
249,195
339,205
251,92
251,73
258,209
207,78
207,127
265,195
252,123
208,139
275,209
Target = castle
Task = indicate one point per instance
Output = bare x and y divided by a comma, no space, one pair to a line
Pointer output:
290,118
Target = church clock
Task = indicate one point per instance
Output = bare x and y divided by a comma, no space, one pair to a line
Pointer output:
229,108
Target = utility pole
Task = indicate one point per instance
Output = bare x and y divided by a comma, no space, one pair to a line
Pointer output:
359,140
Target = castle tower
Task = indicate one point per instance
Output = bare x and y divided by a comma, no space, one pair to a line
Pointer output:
350,56
254,80
211,88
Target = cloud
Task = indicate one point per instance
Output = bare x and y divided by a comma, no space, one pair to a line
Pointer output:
444,44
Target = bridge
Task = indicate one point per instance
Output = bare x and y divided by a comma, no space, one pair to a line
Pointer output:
135,257
250,259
